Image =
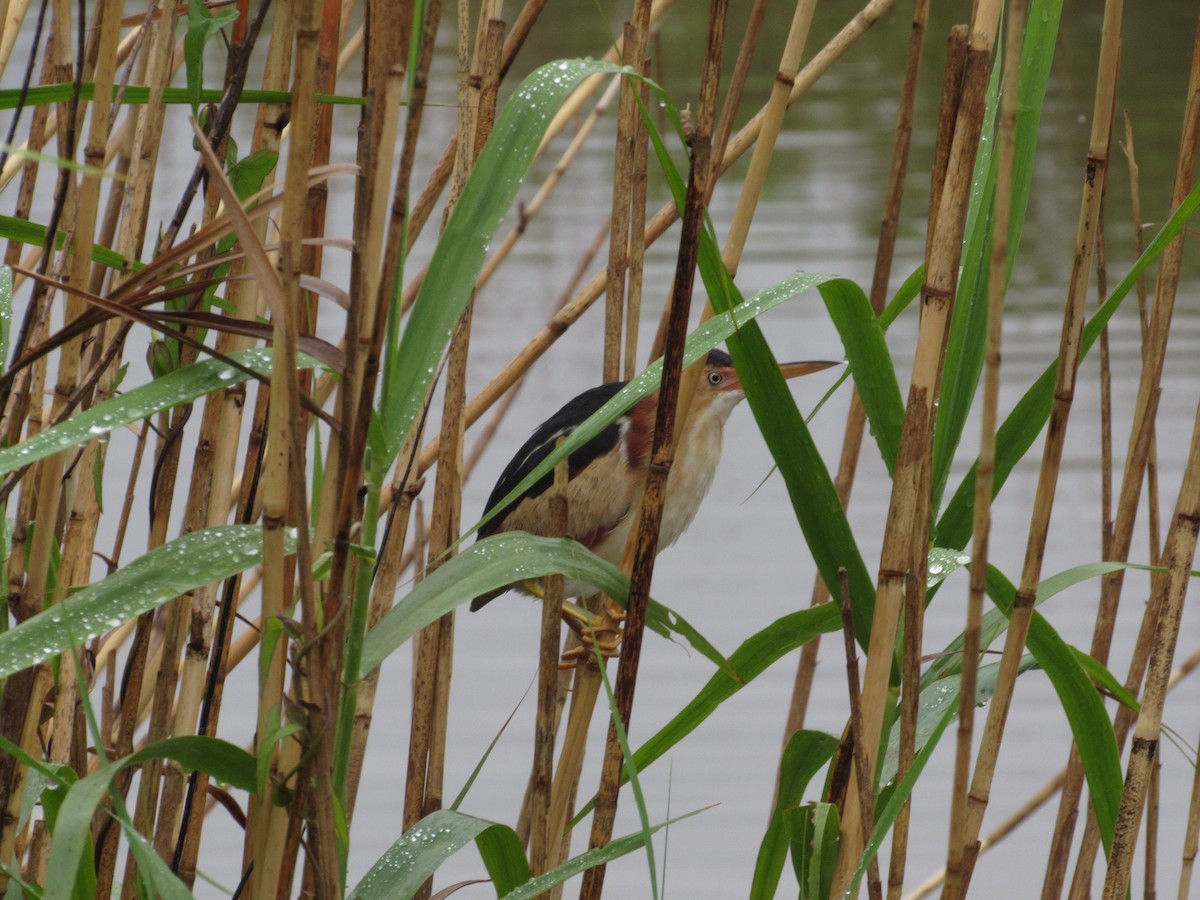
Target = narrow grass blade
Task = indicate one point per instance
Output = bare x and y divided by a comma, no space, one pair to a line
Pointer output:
584,861
1022,426
814,840
486,198
72,826
1081,703
805,755
409,862
756,654
166,572
966,345
176,388
871,364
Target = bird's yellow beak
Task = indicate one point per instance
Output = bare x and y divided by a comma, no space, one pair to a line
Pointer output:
793,369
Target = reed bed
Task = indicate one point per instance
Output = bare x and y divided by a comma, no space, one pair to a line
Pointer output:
237,524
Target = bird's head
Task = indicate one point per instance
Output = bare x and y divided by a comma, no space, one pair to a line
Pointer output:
721,389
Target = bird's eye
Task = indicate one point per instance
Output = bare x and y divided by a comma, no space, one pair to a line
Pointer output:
714,378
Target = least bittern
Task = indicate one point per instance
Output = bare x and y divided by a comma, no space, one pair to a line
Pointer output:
606,475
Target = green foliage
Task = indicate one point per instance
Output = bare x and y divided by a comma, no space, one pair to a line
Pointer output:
806,753
203,26
171,390
164,573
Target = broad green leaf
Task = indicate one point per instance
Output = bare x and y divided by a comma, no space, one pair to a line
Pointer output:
806,753
72,828
1083,706
815,836
484,566
181,386
486,198
584,861
871,364
163,883
249,173
409,862
222,761
166,572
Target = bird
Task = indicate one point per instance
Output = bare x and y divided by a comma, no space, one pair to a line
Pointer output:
606,476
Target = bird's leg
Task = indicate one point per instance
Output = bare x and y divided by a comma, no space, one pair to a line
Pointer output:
596,629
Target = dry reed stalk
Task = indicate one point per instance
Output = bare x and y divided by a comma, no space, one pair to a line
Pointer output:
637,231
546,726
1191,838
1180,547
1177,557
866,792
903,560
1139,459
633,50
271,830
856,417
1068,361
986,465
1035,802
1150,877
435,643
135,197
641,549
12,14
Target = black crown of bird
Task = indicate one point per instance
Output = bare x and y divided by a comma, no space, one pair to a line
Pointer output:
606,475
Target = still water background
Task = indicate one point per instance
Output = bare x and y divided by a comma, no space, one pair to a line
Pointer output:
744,563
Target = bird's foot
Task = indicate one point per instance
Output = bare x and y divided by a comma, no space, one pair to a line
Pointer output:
598,631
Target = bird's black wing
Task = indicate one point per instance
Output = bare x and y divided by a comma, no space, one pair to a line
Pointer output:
543,441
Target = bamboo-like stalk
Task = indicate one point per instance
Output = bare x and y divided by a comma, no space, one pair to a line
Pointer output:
905,550
986,465
1068,361
268,833
866,793
546,726
1138,459
628,135
642,546
856,417
1177,557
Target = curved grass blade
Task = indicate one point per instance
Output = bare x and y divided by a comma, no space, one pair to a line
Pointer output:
1022,426
584,861
409,862
966,346
166,572
72,827
871,364
178,387
806,753
484,566
1082,704
756,654
486,198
